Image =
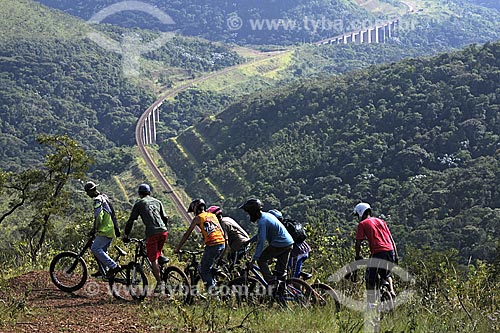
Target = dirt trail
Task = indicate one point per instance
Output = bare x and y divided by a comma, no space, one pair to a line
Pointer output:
48,309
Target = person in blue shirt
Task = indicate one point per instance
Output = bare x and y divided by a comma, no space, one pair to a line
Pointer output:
279,241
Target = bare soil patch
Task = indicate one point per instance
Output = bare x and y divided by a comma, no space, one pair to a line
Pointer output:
47,309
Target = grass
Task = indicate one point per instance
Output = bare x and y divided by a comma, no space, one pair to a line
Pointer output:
29,20
213,315
251,76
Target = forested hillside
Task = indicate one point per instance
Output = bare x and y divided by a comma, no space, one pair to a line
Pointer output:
234,21
55,80
418,139
432,24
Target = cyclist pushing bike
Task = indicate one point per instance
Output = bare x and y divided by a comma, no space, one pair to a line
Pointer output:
154,218
382,247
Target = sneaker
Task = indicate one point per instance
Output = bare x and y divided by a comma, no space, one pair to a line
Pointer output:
305,276
112,271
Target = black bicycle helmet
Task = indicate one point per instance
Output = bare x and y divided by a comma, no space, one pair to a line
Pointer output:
252,205
144,188
195,204
90,186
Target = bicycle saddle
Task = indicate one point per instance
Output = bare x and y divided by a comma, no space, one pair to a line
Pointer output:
162,260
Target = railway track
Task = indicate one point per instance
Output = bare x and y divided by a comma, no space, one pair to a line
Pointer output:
174,197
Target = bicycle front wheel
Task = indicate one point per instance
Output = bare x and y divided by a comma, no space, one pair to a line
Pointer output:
326,295
177,285
245,290
386,301
68,271
297,293
130,283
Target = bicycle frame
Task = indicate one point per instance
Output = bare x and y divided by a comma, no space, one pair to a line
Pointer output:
69,271
289,291
192,268
141,257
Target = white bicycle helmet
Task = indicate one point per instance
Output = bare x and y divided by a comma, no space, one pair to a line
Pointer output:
361,208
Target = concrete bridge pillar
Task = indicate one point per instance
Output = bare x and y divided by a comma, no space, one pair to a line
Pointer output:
380,34
366,36
149,127
358,37
374,35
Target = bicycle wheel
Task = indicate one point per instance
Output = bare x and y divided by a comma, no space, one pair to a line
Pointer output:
297,292
129,283
245,290
326,295
177,285
68,271
386,301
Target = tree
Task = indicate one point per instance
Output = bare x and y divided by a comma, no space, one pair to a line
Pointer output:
42,189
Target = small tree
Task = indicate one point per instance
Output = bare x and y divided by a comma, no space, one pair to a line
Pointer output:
43,189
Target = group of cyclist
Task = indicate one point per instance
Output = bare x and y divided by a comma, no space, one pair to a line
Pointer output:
222,234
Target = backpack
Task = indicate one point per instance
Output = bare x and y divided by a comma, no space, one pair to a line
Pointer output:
296,230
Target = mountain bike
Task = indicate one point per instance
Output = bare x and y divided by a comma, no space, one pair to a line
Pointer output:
68,270
251,287
192,271
382,296
136,281
325,294
386,300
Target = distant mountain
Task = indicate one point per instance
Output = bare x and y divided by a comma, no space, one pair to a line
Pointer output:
418,139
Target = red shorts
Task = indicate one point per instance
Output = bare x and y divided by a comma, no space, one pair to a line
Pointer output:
154,245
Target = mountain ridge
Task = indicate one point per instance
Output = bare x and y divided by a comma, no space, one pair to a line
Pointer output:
411,127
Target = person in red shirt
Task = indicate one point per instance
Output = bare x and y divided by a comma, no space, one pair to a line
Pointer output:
380,241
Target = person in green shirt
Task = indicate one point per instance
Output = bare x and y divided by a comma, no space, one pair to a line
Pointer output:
105,227
154,218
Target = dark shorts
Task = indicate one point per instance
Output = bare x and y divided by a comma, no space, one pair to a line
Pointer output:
154,245
381,270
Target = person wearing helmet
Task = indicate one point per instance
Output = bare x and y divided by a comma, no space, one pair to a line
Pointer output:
279,241
155,220
237,238
299,254
105,228
213,236
380,241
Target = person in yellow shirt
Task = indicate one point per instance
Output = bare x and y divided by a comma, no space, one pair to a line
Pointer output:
213,236
105,227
